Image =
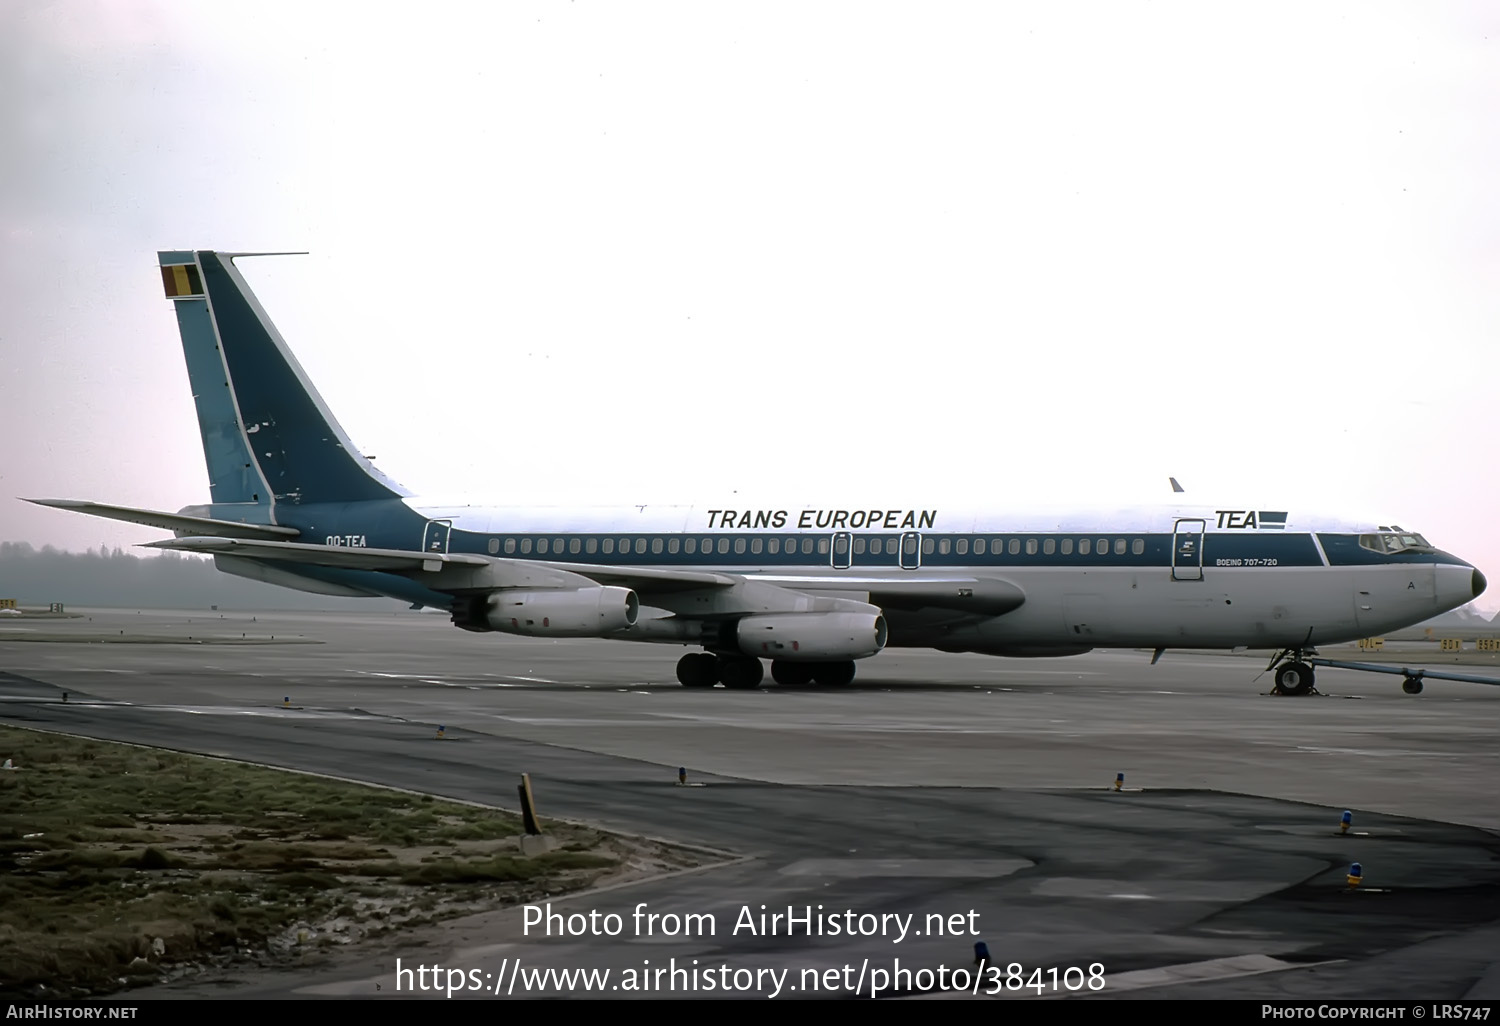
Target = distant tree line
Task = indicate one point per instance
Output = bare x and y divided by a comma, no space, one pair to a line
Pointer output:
114,578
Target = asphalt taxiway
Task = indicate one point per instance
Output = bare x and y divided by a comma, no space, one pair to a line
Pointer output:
934,785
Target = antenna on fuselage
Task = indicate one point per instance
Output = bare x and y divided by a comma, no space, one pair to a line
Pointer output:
1175,486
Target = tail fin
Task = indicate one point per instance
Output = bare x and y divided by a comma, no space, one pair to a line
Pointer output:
267,435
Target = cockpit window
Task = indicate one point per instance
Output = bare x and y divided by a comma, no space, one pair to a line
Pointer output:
1395,541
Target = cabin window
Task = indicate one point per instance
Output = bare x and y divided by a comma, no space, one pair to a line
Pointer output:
860,545
1119,546
1084,546
541,545
673,544
962,546
739,546
1030,546
1102,547
1049,546
945,546
656,546
807,546
822,546
510,546
708,546
1015,546
575,546
1067,546
608,545
840,544
723,546
526,546
591,546
877,546
690,545
640,546
1138,546
494,546
755,546
773,545
927,546
978,546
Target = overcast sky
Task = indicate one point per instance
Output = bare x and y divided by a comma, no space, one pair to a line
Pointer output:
854,253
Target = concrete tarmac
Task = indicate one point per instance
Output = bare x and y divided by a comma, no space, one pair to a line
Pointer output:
972,790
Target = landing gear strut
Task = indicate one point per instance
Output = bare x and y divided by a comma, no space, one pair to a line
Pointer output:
1295,677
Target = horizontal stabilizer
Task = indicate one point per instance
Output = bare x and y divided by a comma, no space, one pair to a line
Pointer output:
172,521
349,558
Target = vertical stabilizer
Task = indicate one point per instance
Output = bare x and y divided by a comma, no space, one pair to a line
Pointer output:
267,435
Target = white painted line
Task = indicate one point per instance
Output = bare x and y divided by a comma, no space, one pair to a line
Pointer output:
1141,979
1198,972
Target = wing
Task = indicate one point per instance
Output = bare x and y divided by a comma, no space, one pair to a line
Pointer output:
466,573
984,596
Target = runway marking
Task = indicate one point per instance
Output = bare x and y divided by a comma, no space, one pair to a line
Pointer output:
1212,969
1228,968
1038,673
1377,753
1168,890
957,868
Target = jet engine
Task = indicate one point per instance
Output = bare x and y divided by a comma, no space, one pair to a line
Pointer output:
562,613
812,636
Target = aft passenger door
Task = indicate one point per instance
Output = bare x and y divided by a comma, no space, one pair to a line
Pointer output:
1187,550
435,538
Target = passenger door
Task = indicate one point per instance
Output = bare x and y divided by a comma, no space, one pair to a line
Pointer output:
1187,550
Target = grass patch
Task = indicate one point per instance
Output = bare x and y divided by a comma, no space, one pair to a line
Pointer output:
121,865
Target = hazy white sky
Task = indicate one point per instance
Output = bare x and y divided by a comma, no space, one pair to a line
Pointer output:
859,252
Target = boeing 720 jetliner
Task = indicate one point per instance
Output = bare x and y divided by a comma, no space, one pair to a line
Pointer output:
811,590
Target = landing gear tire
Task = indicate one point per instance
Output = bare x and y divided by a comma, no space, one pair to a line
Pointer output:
1412,686
698,670
834,674
742,674
791,674
1294,679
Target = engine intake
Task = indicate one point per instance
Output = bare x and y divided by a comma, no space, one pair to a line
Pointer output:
563,613
812,636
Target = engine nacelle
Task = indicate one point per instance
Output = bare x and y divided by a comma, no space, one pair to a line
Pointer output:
812,637
562,612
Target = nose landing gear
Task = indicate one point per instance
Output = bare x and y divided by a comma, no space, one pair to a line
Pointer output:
1295,677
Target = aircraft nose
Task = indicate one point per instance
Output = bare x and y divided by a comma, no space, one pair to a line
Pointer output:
1479,583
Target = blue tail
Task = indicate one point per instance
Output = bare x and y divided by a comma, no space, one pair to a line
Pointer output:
268,438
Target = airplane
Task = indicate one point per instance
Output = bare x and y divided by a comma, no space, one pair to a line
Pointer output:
809,589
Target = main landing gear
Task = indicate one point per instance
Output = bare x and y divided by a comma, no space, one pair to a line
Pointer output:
740,672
